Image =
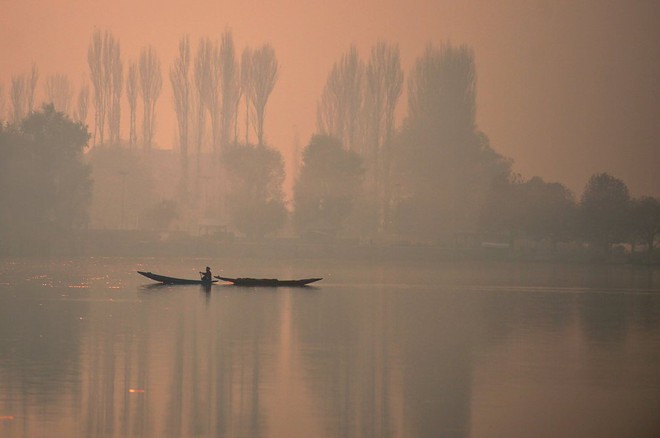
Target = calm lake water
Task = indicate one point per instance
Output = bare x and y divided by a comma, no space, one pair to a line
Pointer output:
88,348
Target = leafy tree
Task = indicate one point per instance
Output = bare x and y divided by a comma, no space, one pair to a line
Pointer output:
357,107
438,189
645,221
255,200
443,166
549,211
46,187
329,183
604,211
501,212
535,208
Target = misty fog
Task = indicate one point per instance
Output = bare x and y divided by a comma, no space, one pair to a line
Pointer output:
469,191
397,157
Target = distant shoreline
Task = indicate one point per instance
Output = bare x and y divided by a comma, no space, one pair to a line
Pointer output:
146,244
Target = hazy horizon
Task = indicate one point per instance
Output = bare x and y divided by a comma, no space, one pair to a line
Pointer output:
565,90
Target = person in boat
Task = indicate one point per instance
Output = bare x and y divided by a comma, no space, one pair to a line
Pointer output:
206,275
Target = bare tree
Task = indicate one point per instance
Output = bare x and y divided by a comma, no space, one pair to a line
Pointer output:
237,99
246,86
213,97
329,120
21,94
202,88
114,83
106,73
80,113
58,91
180,80
339,110
206,74
384,77
150,88
18,98
264,76
132,95
97,76
384,80
230,87
32,80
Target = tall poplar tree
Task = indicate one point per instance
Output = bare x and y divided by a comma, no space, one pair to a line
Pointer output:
58,91
114,82
340,109
246,87
263,78
444,164
230,87
180,80
384,80
97,76
202,84
106,74
132,91
150,87
18,98
80,113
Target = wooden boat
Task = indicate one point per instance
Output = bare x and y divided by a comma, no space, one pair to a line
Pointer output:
173,280
269,282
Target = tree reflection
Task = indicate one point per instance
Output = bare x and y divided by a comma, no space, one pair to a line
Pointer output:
376,357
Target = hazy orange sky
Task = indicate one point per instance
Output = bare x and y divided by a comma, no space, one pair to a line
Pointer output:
565,88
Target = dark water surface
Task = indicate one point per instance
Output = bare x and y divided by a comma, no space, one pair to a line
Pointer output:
90,349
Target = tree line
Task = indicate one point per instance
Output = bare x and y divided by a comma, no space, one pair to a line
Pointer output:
433,177
604,215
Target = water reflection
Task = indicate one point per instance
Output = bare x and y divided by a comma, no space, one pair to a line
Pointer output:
502,353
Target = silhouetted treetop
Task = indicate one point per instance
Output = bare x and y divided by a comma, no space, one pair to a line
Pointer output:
54,134
46,186
255,200
645,221
329,182
604,210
